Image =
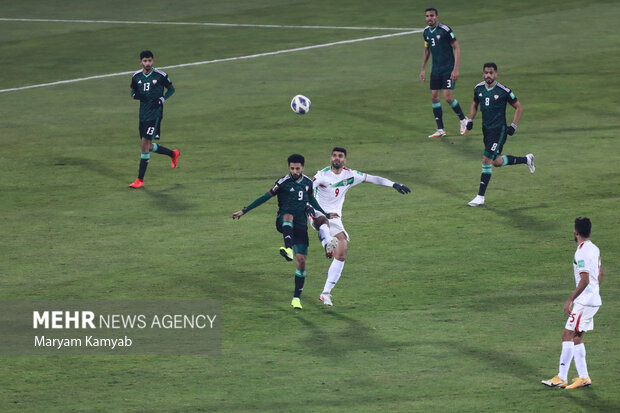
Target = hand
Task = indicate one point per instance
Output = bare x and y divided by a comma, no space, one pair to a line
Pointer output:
567,306
422,75
403,189
510,130
470,124
332,215
161,101
237,215
310,211
454,75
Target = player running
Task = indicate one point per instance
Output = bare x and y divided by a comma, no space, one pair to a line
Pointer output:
492,98
294,192
330,186
147,86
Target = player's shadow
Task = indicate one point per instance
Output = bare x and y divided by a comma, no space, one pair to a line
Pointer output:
90,166
519,219
334,343
591,402
500,361
168,199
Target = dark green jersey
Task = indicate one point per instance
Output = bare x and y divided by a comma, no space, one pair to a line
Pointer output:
439,41
492,104
293,196
148,89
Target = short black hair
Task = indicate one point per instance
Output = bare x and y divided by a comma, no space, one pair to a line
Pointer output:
490,64
583,226
145,53
296,158
339,149
432,9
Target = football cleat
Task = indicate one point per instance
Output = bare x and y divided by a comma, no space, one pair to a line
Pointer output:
555,382
296,303
530,162
174,159
477,201
438,134
579,382
326,298
138,183
287,253
330,247
463,123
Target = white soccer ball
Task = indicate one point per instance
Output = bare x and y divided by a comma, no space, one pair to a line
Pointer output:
300,104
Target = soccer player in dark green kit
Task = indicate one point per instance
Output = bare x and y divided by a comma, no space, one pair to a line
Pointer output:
294,192
492,97
440,41
147,86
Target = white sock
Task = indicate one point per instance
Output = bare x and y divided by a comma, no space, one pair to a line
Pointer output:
333,275
324,235
566,358
580,360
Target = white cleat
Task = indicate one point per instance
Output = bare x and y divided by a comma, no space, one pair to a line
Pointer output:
477,201
326,298
463,123
438,134
530,162
330,247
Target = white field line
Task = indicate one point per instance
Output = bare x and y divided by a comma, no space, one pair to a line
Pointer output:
228,59
267,26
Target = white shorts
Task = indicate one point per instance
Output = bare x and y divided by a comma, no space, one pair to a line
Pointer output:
335,225
581,318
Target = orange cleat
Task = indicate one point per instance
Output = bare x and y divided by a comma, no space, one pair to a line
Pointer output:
138,183
175,158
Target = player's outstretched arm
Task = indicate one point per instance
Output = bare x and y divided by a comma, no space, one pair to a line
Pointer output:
257,202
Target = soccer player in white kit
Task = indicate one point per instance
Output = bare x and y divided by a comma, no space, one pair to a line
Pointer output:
330,186
585,301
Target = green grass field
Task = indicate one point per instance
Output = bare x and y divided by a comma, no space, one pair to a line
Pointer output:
441,307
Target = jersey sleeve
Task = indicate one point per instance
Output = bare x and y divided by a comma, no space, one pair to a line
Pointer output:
358,177
133,86
451,34
583,264
167,81
275,188
476,97
511,97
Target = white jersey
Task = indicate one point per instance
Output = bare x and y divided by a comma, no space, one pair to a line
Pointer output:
330,188
588,259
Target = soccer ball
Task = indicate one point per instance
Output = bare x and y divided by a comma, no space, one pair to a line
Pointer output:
300,104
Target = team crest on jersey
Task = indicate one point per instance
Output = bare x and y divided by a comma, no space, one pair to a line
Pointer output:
307,188
495,97
438,37
154,81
